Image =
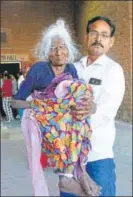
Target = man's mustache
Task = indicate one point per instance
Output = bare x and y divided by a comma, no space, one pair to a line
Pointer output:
97,43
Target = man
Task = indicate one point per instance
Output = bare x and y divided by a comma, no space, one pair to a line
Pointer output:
107,81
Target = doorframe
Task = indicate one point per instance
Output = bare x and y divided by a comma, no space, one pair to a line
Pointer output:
13,62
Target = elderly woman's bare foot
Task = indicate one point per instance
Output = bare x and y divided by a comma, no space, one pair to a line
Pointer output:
70,185
88,185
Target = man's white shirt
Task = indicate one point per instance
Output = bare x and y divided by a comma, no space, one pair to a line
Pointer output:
108,96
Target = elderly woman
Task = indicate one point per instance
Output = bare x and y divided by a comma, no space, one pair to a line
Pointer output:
57,52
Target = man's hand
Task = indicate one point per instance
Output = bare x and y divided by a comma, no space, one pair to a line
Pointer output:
88,107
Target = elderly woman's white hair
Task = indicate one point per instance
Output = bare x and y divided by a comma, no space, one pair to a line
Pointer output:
56,31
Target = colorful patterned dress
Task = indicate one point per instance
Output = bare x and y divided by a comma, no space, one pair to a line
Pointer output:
64,138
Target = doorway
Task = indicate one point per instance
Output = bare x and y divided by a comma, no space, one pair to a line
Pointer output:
12,68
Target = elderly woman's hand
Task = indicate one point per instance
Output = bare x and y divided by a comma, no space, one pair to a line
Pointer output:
88,107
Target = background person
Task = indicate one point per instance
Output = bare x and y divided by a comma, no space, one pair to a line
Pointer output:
7,97
14,91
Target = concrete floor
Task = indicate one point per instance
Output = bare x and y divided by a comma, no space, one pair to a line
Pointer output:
15,176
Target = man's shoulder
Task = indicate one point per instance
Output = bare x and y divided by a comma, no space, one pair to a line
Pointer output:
82,60
112,67
111,63
105,60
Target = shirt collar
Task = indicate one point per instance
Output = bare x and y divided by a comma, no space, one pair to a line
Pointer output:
98,61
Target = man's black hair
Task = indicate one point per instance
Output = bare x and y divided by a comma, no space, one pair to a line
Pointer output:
103,18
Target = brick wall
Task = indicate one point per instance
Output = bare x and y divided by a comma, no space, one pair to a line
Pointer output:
121,13
24,21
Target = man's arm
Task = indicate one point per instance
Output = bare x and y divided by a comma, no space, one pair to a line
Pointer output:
88,106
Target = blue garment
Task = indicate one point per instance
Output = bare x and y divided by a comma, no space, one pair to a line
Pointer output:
20,112
103,173
39,77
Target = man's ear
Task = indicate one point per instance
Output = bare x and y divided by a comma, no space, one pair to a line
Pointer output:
85,41
85,37
112,41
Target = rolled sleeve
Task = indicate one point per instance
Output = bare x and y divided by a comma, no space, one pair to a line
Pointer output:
27,85
25,89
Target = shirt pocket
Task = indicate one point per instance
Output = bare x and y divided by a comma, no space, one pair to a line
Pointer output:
96,89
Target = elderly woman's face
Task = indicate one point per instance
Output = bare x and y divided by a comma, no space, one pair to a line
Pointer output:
59,53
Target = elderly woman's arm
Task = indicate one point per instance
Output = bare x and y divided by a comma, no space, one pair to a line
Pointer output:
20,104
26,88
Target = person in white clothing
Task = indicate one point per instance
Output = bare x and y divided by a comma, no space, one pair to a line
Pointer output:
20,79
108,84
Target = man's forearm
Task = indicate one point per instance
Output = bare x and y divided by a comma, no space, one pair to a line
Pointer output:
20,104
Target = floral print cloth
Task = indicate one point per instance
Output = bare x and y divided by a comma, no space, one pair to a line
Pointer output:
64,138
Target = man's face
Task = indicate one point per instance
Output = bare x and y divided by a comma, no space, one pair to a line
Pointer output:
59,53
99,39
